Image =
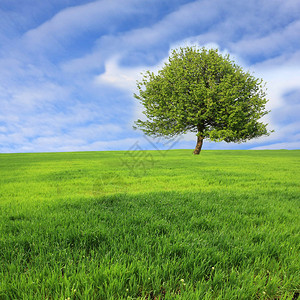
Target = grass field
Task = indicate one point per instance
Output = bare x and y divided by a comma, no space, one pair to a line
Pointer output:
150,225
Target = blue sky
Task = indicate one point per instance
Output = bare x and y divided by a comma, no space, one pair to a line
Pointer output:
68,68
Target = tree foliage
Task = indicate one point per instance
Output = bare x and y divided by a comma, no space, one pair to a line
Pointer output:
202,91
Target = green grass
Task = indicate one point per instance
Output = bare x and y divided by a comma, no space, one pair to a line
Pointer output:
158,225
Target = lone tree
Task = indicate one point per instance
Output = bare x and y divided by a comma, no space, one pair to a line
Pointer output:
202,91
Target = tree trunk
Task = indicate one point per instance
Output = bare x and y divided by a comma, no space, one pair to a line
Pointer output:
199,145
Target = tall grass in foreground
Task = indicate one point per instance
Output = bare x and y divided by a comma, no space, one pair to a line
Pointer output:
224,225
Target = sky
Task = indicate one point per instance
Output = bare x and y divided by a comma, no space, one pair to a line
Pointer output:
68,68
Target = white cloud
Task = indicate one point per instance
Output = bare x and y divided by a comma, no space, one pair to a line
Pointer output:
3,129
94,132
276,42
73,21
35,97
125,78
280,79
117,144
279,146
119,77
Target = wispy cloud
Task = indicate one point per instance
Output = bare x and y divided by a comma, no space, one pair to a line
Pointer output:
279,146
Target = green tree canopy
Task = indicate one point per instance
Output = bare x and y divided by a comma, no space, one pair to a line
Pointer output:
202,91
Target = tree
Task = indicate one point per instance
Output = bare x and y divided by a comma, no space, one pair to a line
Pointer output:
202,91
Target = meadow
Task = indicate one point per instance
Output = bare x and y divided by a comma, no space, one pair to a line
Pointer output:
150,225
